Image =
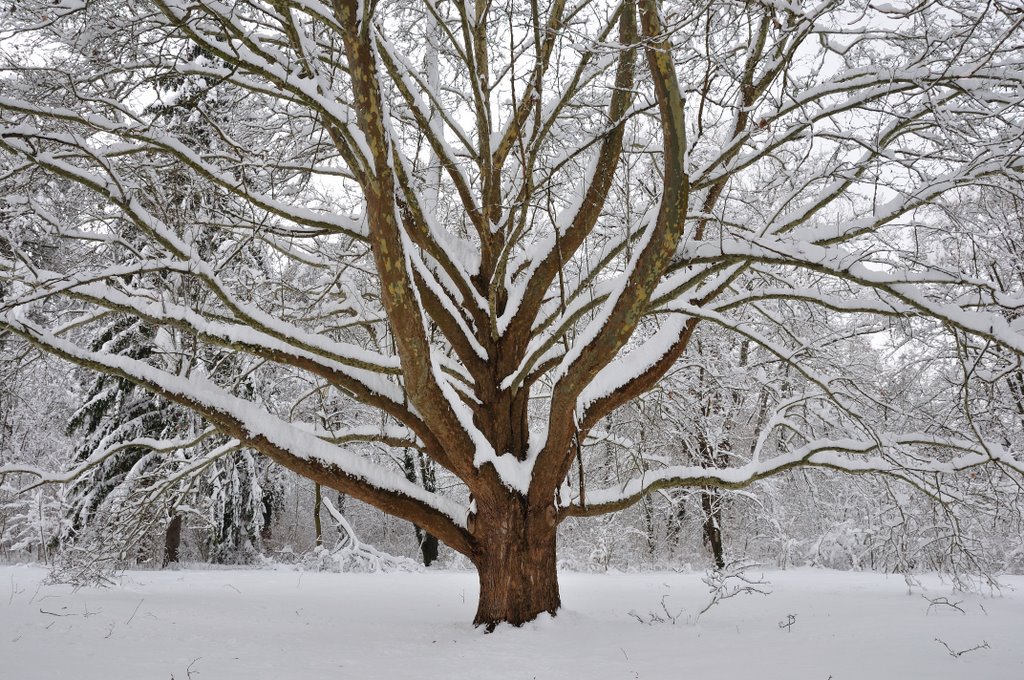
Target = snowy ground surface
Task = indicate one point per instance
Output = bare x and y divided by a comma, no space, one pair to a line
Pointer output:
286,625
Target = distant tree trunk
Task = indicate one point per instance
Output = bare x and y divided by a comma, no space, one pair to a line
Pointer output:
649,527
172,540
427,542
428,545
674,524
711,498
710,503
266,530
317,503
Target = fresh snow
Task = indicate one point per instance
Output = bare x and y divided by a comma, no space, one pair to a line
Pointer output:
284,625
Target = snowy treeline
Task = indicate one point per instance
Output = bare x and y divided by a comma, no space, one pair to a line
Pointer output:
243,512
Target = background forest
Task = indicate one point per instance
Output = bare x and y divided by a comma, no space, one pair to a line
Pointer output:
129,510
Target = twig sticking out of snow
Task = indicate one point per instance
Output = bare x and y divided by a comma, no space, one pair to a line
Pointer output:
730,581
85,614
956,654
135,612
942,602
724,583
654,617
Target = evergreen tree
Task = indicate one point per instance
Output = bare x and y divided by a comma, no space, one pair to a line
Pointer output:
232,499
114,413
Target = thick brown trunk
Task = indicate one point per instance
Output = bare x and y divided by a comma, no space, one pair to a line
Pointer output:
514,541
517,565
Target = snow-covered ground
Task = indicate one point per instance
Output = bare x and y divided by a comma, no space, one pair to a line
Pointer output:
219,625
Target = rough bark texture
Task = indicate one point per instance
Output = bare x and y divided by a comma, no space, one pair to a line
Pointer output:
517,566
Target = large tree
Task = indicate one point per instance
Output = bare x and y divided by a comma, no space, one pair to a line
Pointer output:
495,223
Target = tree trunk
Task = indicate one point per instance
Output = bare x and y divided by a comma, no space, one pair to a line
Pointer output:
317,527
172,540
517,566
428,480
429,548
428,543
267,529
710,501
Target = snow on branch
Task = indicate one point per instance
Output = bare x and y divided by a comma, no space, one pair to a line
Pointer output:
162,446
248,422
859,456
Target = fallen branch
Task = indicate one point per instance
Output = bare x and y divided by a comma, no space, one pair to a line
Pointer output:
956,655
942,602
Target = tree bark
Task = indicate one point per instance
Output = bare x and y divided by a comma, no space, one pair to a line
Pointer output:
429,546
517,566
267,530
710,501
427,541
317,503
172,541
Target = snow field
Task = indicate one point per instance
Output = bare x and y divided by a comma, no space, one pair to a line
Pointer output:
285,625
